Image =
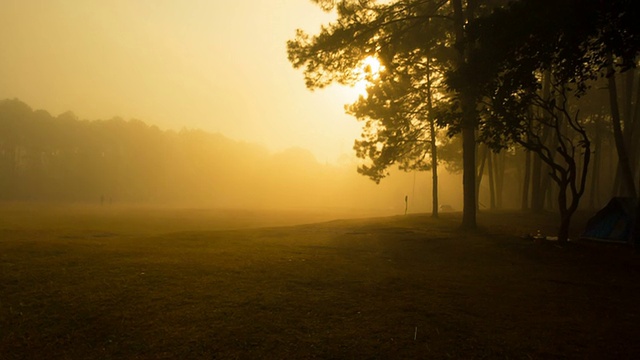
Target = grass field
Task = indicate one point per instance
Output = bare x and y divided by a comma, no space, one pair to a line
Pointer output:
96,283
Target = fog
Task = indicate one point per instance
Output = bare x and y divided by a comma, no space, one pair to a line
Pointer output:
116,162
219,66
225,120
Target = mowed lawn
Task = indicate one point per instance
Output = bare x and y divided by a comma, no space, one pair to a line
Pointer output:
148,284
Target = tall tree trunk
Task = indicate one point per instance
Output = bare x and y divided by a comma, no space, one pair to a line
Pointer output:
550,195
468,177
565,223
537,190
434,175
635,146
628,120
434,181
499,177
574,180
595,169
492,186
635,136
480,174
627,117
546,190
554,140
623,157
635,231
468,128
537,196
434,147
526,182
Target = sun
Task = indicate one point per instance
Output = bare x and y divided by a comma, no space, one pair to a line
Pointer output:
368,71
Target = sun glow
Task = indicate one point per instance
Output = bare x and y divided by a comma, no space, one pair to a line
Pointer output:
368,72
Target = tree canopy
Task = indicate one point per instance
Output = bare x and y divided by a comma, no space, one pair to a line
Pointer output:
418,42
492,56
530,61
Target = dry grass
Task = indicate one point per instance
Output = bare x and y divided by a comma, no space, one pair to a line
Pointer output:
78,284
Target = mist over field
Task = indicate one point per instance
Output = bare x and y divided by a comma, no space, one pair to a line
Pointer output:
63,159
319,179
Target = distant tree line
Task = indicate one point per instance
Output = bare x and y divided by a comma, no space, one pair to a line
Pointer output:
65,159
62,158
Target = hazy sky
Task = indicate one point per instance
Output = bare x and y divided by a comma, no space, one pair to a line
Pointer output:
216,65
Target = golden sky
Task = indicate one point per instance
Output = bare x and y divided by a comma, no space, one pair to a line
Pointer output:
216,65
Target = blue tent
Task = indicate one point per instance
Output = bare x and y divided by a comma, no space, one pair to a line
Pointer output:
614,222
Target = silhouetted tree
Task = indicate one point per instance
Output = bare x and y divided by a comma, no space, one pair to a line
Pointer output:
400,126
574,40
408,37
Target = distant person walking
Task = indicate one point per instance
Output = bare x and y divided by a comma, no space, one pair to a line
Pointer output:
406,204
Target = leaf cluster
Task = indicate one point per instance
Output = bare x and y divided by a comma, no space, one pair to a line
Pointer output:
572,40
411,39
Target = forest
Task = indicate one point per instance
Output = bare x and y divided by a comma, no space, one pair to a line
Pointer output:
551,88
63,159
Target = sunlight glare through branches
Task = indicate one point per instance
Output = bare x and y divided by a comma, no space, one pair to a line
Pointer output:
368,72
